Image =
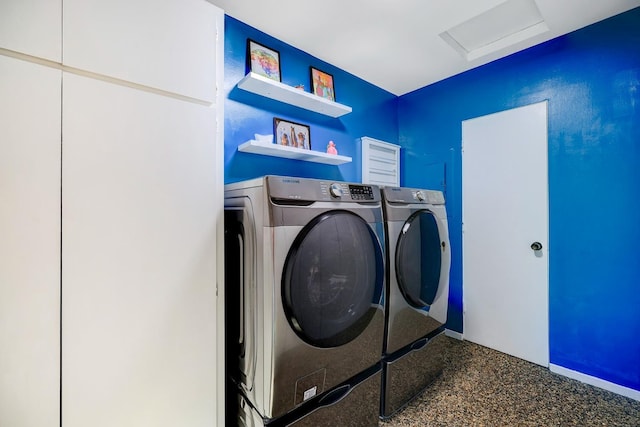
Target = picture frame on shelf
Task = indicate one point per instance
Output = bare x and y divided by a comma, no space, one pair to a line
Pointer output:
322,84
291,134
263,60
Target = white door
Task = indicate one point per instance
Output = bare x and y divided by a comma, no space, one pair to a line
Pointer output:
29,244
505,214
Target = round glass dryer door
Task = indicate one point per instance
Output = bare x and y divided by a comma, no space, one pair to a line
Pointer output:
419,259
333,279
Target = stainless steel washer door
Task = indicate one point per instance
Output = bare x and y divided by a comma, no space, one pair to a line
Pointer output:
333,279
418,259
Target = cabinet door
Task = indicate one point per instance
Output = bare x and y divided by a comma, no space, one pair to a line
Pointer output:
380,162
29,244
168,45
139,258
33,27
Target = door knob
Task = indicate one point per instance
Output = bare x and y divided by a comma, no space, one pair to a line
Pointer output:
536,246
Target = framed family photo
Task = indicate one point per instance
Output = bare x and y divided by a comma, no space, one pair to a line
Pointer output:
322,84
263,60
291,134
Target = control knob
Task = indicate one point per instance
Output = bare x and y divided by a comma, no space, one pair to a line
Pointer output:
420,196
335,190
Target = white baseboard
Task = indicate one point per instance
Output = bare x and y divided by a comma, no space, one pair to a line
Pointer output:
596,382
584,378
453,334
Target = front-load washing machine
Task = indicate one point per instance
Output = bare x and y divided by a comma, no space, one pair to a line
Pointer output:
418,262
305,279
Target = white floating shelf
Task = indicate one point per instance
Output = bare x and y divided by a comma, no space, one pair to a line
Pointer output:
269,88
270,149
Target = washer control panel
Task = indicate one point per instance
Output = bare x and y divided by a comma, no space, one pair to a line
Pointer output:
303,190
356,192
361,192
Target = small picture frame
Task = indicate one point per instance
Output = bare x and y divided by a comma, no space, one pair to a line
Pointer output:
291,134
322,84
263,60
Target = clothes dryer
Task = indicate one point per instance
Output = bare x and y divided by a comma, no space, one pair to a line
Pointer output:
305,277
418,262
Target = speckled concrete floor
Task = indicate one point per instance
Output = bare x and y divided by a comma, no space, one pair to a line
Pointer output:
483,387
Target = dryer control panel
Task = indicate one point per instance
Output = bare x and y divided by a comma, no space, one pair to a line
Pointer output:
401,195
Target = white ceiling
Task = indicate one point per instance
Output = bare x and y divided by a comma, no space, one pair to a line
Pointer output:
397,45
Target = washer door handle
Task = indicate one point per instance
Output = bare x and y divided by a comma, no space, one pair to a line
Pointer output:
536,246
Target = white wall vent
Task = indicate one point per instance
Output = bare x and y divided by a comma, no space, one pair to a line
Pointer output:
380,162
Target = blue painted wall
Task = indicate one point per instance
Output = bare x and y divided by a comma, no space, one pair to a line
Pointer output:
374,112
591,79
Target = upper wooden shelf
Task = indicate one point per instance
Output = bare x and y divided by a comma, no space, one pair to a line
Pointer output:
269,88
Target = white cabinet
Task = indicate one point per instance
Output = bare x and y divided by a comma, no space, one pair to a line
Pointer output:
139,218
114,247
29,244
168,45
380,162
33,27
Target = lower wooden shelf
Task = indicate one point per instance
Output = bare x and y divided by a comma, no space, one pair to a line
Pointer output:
275,150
